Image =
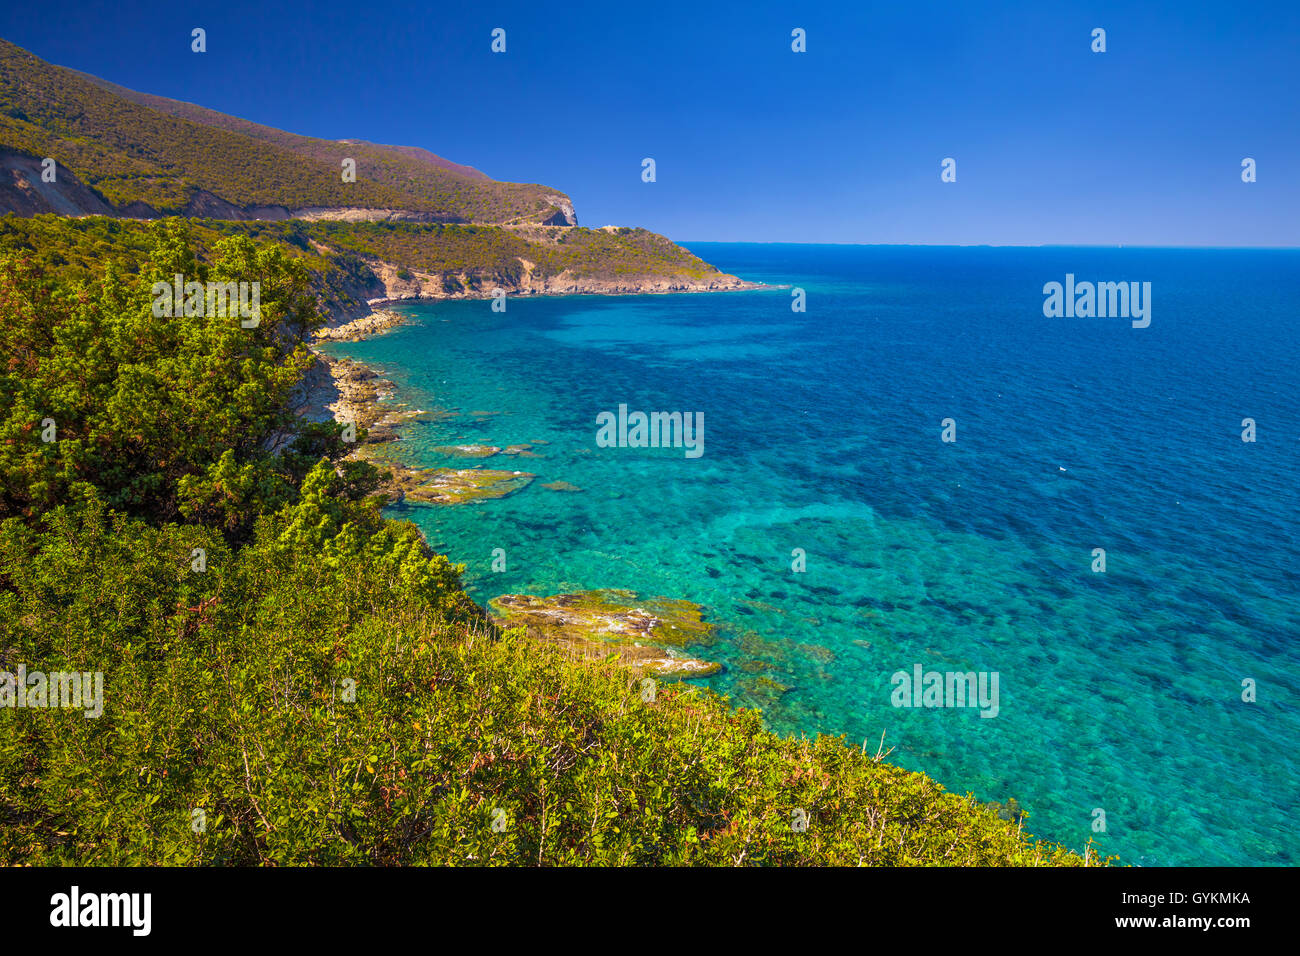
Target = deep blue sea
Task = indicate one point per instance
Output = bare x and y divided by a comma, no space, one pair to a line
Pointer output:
1120,691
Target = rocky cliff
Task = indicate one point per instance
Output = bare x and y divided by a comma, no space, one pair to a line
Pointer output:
24,191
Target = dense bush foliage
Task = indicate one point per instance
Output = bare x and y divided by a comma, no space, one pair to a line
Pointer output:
320,689
157,416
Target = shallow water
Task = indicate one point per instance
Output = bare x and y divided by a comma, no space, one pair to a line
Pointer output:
1119,690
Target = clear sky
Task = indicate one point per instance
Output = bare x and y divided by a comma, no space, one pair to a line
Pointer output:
1054,143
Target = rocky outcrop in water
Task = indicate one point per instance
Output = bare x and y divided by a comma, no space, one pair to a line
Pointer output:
595,624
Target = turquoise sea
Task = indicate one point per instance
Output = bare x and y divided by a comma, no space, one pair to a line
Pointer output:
1118,691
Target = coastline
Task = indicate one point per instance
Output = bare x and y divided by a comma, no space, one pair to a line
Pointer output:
586,625
333,388
374,318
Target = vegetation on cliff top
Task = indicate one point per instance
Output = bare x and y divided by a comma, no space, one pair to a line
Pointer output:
487,252
321,690
338,255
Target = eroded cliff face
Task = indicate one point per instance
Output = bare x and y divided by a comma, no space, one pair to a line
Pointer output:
24,192
563,215
398,284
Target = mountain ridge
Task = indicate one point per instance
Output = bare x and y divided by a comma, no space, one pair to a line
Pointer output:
146,156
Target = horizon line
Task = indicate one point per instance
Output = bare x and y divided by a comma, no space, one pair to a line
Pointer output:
980,245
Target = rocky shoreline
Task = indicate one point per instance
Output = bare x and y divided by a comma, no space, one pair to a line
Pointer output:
373,322
346,391
390,285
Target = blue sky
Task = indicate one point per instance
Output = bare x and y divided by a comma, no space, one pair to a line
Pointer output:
1141,144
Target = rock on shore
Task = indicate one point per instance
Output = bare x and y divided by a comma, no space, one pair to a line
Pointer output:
362,327
595,624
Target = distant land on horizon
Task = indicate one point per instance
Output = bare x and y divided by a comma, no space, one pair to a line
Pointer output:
969,245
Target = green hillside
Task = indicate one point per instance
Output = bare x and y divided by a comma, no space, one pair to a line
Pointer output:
147,156
325,149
